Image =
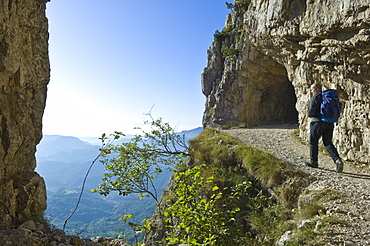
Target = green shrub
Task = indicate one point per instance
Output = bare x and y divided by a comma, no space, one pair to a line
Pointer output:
229,5
238,4
220,36
230,53
202,213
223,35
242,2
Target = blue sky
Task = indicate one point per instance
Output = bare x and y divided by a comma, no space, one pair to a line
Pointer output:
112,60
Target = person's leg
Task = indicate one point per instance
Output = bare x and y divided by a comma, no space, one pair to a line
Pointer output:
327,136
315,134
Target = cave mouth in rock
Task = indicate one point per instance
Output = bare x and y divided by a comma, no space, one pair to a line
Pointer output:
285,103
278,100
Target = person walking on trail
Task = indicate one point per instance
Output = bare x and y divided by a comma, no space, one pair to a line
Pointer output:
319,128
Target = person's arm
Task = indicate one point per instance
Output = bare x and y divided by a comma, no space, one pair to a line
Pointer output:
314,106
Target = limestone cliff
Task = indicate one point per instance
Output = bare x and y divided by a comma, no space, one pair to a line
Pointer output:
261,65
24,74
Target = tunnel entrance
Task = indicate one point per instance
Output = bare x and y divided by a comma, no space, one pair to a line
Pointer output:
258,94
279,101
269,96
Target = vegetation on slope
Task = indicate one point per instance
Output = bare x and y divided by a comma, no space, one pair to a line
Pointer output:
232,193
226,192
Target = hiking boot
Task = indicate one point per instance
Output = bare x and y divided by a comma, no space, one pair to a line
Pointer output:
312,164
339,164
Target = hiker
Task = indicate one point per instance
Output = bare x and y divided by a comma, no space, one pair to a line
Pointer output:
319,128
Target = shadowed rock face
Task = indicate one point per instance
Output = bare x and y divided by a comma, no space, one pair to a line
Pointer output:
282,47
24,75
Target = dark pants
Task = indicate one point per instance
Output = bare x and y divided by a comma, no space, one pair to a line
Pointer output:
325,130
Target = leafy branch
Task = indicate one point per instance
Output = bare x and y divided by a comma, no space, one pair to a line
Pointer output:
238,4
132,166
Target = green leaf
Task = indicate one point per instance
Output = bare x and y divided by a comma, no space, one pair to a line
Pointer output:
215,188
126,216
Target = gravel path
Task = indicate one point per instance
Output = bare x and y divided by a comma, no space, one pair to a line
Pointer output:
353,183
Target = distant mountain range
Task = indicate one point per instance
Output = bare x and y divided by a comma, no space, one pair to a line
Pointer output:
63,162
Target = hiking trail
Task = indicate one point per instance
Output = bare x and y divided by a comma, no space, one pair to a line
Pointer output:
354,183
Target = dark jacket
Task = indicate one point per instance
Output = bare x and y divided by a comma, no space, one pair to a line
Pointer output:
314,107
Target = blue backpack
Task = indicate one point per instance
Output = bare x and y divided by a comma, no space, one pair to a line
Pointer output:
330,107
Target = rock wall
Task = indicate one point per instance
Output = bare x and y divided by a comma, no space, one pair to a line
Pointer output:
24,74
275,49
